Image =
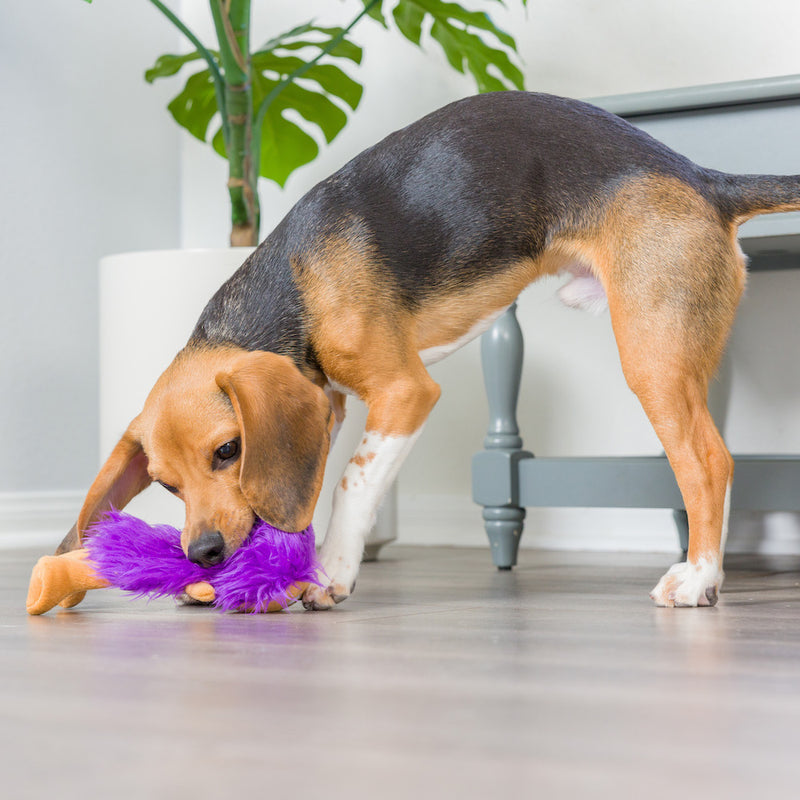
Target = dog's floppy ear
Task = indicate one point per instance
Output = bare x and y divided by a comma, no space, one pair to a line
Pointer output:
284,423
121,478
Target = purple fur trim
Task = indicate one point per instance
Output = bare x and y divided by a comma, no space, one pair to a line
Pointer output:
147,560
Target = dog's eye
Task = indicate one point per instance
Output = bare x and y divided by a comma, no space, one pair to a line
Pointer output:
227,453
172,489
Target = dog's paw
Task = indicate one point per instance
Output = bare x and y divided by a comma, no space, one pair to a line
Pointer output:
688,585
321,598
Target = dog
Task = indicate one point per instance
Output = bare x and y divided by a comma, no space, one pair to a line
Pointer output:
406,253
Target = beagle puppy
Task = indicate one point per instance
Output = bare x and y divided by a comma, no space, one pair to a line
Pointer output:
405,254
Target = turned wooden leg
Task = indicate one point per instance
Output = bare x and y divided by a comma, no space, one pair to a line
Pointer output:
495,470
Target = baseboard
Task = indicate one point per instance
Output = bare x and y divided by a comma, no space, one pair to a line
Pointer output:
41,519
439,519
454,520
37,519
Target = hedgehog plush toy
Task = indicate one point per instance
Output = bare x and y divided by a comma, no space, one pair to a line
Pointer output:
269,571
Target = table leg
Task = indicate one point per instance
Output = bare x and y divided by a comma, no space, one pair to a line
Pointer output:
495,469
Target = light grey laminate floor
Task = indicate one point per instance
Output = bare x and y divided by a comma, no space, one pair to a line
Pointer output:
440,678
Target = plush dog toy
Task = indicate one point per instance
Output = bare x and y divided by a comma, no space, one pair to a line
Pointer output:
270,570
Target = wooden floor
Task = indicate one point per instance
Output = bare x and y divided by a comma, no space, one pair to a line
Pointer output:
440,678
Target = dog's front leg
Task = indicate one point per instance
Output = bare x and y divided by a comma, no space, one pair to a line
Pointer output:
394,423
366,479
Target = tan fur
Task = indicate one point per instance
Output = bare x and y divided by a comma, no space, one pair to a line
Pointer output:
362,340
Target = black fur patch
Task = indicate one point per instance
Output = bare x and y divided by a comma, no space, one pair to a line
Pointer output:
259,307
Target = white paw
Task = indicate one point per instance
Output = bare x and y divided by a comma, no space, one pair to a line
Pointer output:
689,585
321,598
338,581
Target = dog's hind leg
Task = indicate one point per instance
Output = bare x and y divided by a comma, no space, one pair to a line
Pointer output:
672,308
676,406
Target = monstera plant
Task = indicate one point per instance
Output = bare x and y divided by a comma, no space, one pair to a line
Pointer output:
239,99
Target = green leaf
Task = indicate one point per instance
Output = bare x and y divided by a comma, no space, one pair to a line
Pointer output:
168,65
376,12
331,78
280,60
337,83
409,18
272,61
317,109
284,147
467,49
442,12
289,41
458,32
196,105
314,106
345,48
271,44
318,91
218,143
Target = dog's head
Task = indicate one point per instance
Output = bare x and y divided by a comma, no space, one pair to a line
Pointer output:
236,435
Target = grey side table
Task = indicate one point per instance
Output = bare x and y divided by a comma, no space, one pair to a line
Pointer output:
721,126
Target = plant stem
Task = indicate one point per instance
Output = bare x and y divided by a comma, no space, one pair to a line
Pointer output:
232,24
241,129
216,75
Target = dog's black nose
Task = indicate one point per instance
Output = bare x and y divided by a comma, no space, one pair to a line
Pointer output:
208,549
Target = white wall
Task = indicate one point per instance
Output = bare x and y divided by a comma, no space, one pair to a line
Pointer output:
89,165
573,398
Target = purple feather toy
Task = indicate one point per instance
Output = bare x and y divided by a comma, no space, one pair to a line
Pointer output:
148,561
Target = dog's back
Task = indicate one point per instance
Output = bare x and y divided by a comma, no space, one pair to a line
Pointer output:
483,183
474,188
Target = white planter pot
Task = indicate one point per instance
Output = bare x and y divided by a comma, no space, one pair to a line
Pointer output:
149,304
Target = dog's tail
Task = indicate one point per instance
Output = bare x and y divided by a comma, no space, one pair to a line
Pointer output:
743,196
